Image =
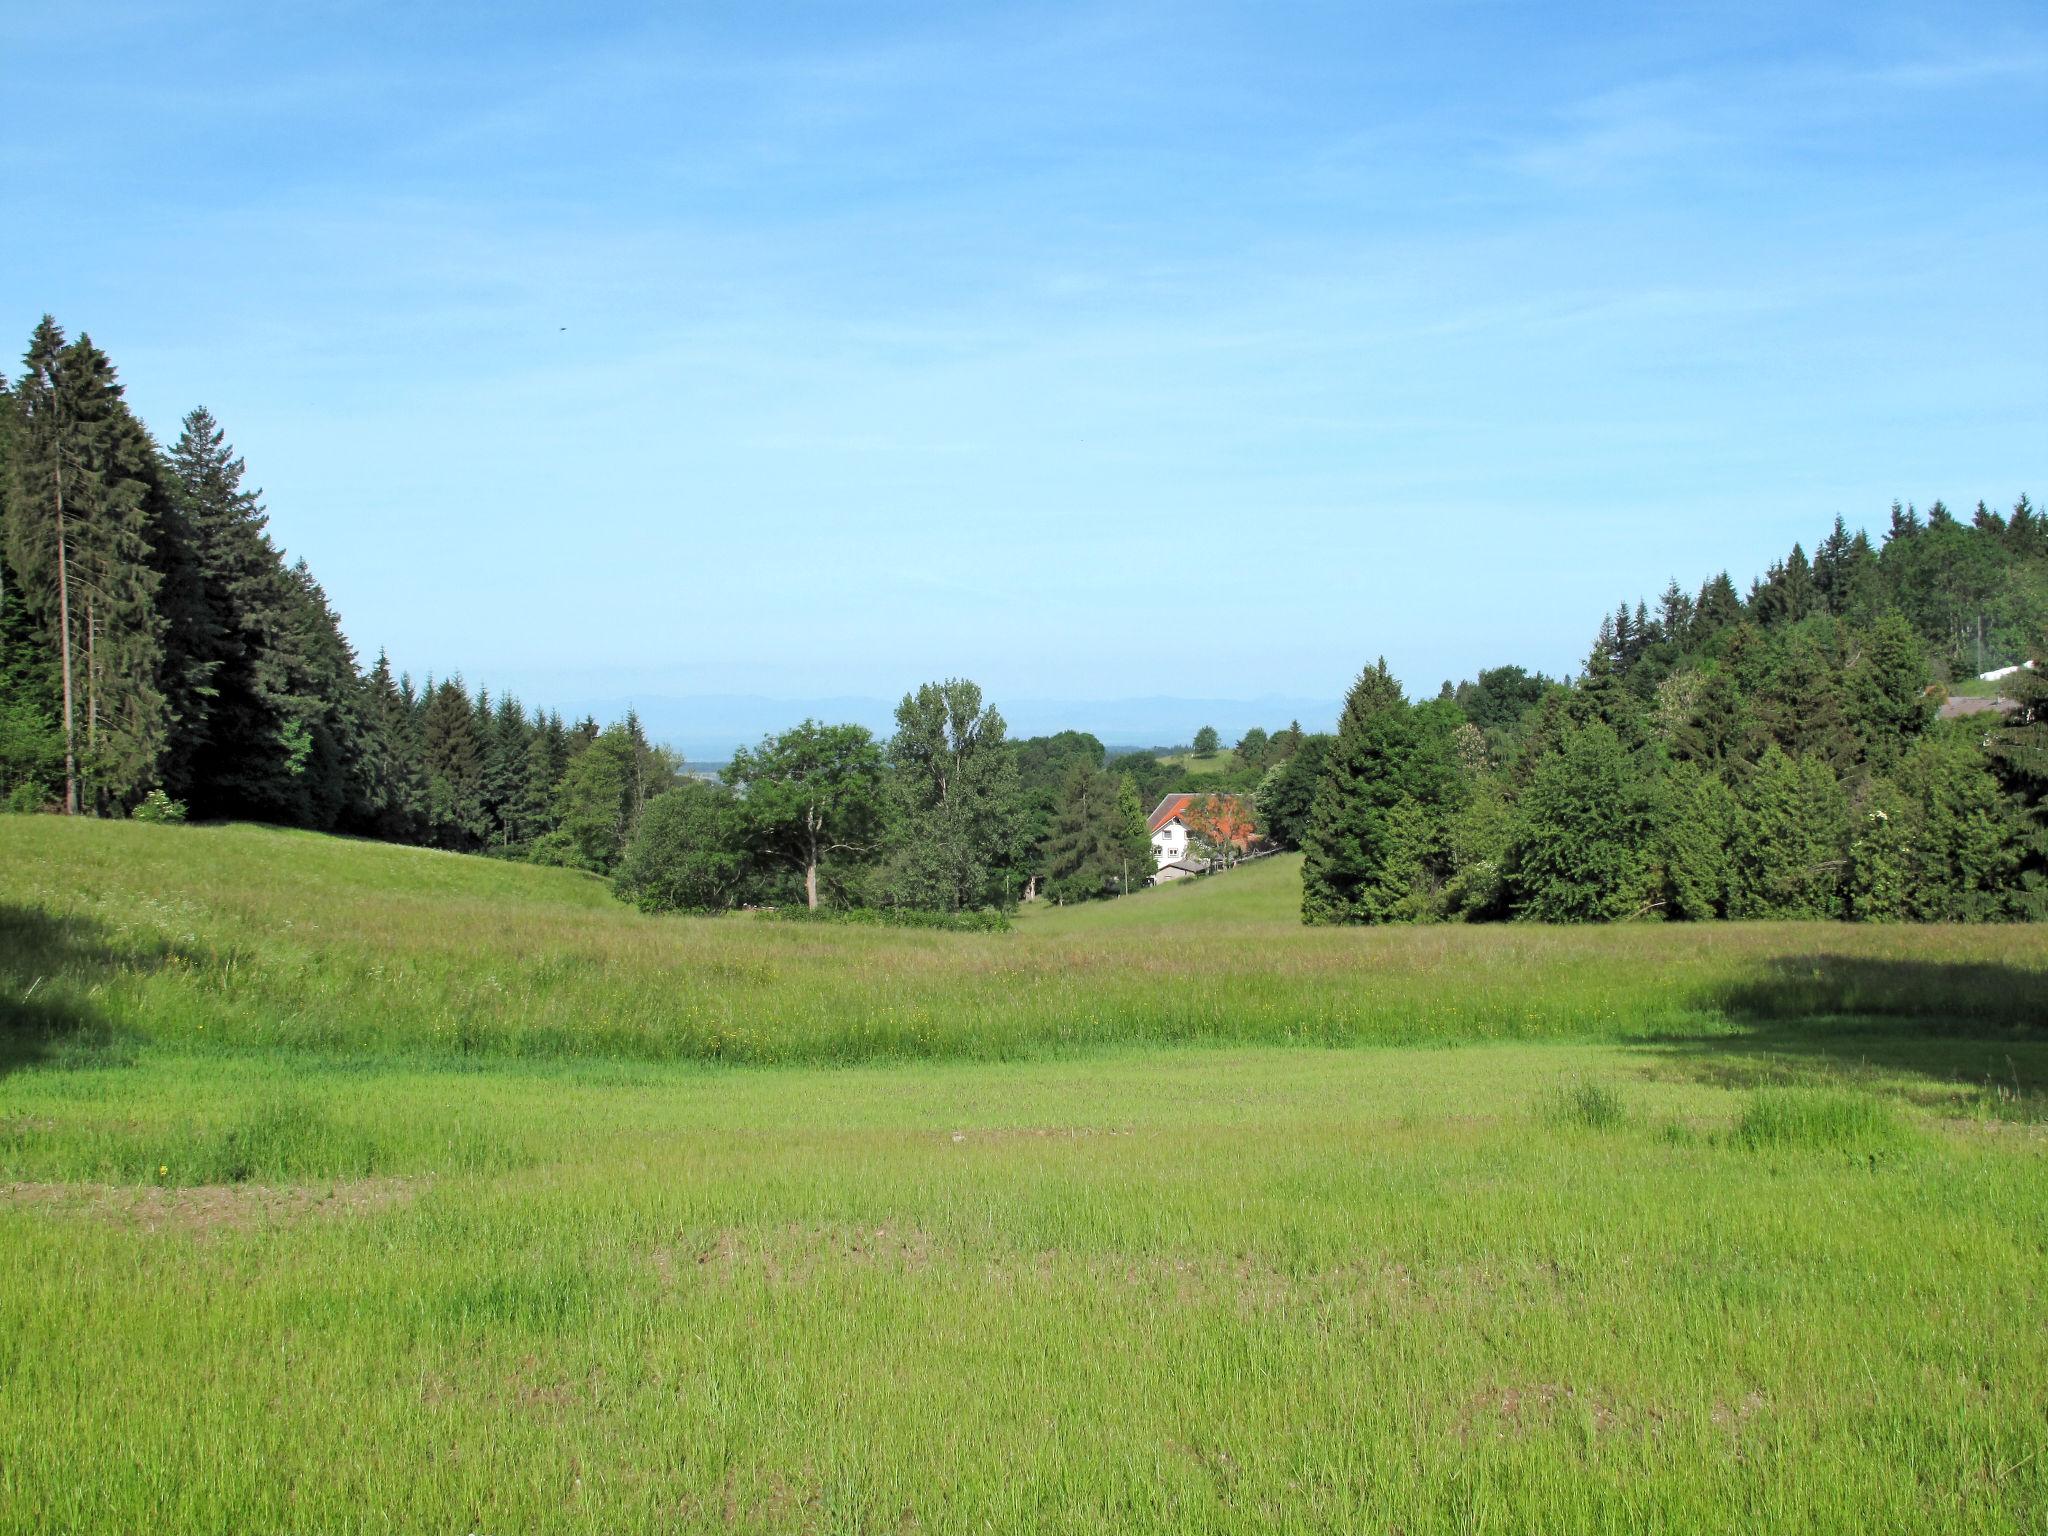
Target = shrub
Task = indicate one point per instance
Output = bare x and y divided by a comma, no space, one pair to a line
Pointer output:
689,854
973,920
159,807
25,799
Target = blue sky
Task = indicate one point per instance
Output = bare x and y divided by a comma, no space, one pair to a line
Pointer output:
1088,350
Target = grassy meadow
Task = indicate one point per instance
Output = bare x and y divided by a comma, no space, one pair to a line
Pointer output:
346,1187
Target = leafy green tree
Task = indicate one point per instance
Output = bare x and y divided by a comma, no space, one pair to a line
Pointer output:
958,840
1253,748
1287,793
690,853
1585,838
594,805
812,795
1478,838
1207,742
1889,704
1499,697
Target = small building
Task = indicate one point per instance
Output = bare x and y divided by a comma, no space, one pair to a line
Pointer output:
1180,869
1171,847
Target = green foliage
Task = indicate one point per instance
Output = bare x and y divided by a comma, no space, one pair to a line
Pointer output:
1287,793
958,835
1252,749
2019,756
1374,846
814,801
1790,843
690,853
1699,822
1585,835
965,920
158,807
597,806
1966,840
1091,852
1207,742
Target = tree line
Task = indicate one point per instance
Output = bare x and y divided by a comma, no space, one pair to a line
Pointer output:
1774,755
1723,755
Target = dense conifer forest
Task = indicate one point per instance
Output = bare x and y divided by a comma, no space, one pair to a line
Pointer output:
1783,752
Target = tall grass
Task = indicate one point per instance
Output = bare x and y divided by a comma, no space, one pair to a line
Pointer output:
1817,1119
251,937
1239,1290
345,1188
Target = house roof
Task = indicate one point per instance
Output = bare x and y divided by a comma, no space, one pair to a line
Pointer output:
1177,806
1166,810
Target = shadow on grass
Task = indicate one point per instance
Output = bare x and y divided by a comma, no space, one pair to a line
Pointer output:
41,1019
1970,1030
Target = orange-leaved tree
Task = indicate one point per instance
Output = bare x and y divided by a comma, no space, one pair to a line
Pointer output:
1221,827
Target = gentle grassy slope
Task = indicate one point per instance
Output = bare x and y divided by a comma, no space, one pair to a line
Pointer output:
247,936
341,1188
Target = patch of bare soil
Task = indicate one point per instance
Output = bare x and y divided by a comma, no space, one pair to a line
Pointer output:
204,1208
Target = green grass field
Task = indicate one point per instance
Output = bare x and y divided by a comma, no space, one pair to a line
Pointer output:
346,1187
1196,767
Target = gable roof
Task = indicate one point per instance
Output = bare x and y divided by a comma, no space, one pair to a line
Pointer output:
1177,806
1166,810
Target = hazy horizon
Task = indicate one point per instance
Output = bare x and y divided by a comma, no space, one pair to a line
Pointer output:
1095,352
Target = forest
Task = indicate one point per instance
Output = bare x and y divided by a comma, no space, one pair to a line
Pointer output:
1779,752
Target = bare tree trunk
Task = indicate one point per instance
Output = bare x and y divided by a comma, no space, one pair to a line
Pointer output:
811,883
64,648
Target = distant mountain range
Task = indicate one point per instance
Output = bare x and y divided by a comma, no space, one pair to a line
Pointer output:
706,727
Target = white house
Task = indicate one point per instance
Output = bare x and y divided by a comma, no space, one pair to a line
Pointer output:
1170,830
1172,852
2000,674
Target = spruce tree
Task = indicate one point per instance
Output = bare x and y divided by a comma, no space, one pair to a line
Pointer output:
453,755
2019,756
509,740
1133,840
547,759
1376,844
1889,705
1585,837
82,500
1085,856
1699,823
1791,835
